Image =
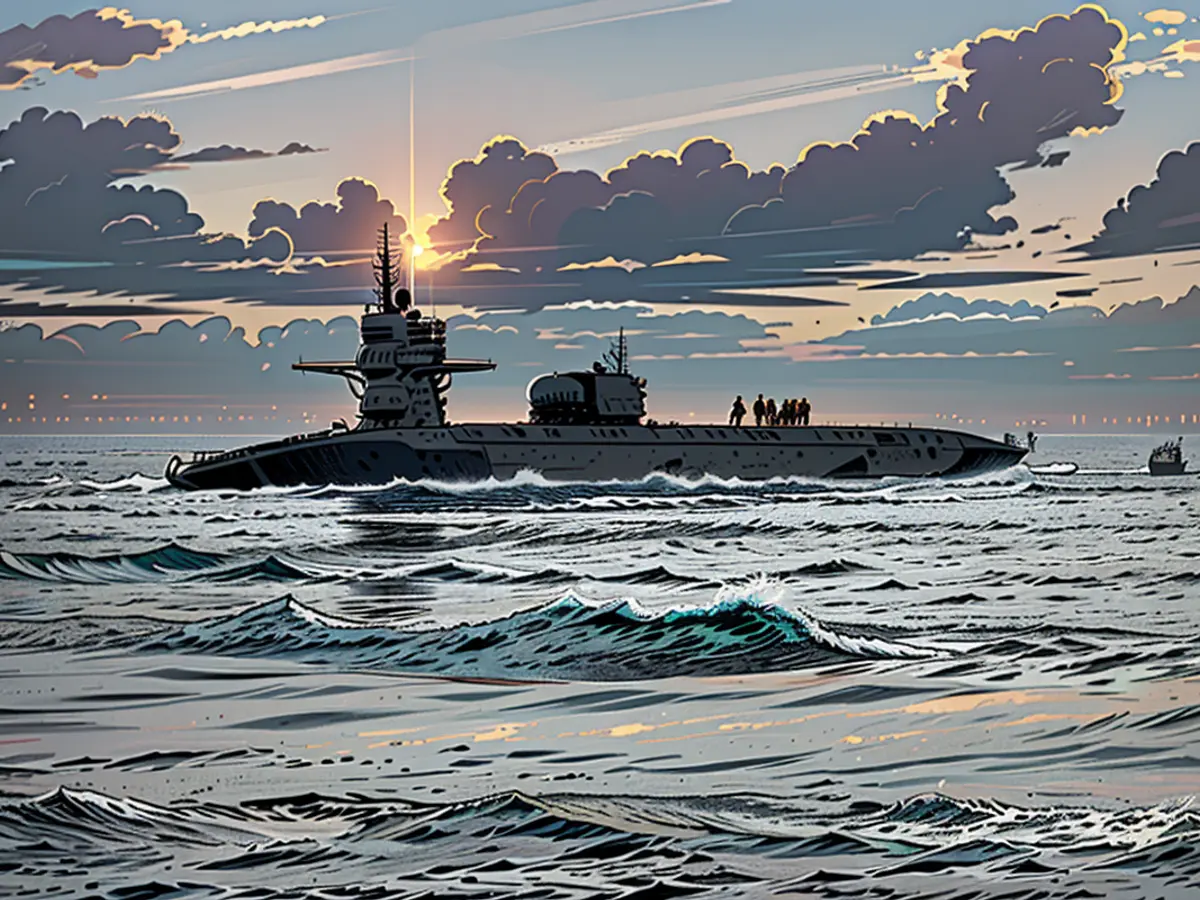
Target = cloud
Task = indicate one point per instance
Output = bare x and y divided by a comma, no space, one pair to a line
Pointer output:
246,29
226,153
1182,51
935,352
521,232
186,368
10,307
930,305
199,368
1166,16
350,225
89,42
949,325
909,187
982,360
109,38
59,194
485,184
899,188
1158,217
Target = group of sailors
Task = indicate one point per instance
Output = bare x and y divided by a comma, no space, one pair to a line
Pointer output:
766,412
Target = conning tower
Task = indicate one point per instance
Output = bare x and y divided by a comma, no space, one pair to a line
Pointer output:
401,373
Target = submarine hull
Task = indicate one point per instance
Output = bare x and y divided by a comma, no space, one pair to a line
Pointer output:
593,453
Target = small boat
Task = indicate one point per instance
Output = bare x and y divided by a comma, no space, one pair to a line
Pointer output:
1167,459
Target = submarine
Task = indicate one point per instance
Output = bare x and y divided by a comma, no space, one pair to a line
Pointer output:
582,426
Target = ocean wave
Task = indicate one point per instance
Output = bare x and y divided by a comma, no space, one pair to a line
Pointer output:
741,631
925,823
164,563
72,819
293,844
68,820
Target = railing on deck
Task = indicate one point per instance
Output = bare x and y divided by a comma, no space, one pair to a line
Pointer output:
205,456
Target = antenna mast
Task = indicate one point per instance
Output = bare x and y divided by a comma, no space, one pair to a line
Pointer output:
385,278
412,176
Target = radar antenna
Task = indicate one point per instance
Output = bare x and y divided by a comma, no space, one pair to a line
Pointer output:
384,265
617,356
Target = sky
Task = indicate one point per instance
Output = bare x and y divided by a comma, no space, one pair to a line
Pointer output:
917,211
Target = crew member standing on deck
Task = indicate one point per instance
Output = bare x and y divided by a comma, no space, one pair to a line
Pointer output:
802,411
737,413
760,410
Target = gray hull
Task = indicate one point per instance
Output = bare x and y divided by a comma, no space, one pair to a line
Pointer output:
594,453
1168,467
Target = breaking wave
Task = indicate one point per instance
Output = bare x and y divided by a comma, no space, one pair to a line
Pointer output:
740,632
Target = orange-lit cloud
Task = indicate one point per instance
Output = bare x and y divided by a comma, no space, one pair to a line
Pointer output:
1182,51
1166,16
249,28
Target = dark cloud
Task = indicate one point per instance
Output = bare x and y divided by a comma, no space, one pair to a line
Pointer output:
227,153
1094,342
197,369
186,368
647,209
90,41
350,225
897,189
30,309
902,188
60,194
1163,215
938,352
487,182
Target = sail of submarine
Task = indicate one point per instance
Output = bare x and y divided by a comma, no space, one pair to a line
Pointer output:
583,426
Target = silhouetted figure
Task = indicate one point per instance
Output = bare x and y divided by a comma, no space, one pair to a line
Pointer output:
803,409
737,412
785,412
772,412
760,410
1032,438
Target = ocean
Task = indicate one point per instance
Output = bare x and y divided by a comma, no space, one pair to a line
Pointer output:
897,689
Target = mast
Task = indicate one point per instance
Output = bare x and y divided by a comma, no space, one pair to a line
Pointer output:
618,355
412,176
385,277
